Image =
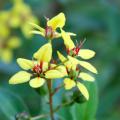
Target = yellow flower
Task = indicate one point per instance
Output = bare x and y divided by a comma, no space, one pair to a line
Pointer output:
76,50
7,46
4,28
73,73
18,18
50,31
40,68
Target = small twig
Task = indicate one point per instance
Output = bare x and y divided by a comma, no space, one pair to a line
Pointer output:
63,105
57,89
55,110
40,116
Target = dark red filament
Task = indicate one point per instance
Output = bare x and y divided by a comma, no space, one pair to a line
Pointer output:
38,68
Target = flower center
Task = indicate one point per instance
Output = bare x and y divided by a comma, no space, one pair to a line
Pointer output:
38,68
73,74
74,52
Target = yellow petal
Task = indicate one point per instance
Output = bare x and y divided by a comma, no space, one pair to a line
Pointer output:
20,77
57,21
45,66
14,42
86,53
69,84
37,27
53,74
44,54
73,60
37,82
52,65
65,61
84,64
86,76
71,34
83,90
62,69
37,32
61,57
25,64
67,40
6,55
88,66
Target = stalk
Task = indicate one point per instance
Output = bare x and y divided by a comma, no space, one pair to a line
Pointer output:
50,99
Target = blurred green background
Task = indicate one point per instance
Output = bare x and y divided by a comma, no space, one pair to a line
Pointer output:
96,20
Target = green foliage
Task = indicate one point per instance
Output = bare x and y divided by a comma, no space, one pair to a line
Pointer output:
10,105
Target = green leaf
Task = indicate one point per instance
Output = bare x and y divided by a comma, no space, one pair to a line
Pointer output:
10,105
87,110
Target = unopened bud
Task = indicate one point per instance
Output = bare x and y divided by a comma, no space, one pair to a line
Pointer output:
22,116
49,32
78,97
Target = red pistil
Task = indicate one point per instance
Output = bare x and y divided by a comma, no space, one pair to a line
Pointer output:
75,50
38,68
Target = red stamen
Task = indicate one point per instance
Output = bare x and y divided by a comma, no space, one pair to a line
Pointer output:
38,68
68,51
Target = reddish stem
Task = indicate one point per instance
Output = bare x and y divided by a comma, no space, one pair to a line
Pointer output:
50,99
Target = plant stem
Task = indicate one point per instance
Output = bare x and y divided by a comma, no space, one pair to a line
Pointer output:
50,99
40,116
55,110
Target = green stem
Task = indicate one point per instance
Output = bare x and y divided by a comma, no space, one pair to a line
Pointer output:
40,116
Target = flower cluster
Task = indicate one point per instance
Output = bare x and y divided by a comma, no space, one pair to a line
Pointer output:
41,69
9,21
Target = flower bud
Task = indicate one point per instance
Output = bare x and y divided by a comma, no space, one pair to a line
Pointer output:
22,116
78,97
49,32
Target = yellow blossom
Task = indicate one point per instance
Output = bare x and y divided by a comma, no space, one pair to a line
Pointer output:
73,73
50,31
41,68
4,28
76,50
7,46
18,18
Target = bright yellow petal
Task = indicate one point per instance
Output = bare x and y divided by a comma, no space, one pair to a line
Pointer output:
69,84
6,55
45,66
84,64
61,57
88,66
25,64
14,42
53,74
37,27
20,77
65,61
83,90
86,53
57,21
62,69
67,40
71,34
73,60
44,54
36,82
86,76
37,32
